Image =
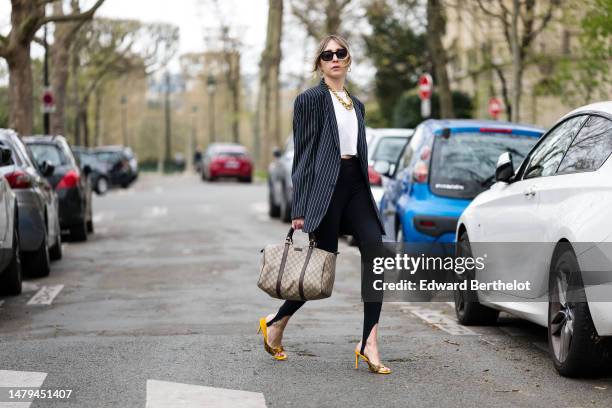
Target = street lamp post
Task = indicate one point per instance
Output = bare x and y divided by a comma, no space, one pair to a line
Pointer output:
46,117
212,87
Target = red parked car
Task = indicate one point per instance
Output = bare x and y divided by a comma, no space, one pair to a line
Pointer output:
227,160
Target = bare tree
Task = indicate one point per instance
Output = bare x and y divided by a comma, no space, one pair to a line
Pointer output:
267,119
112,48
321,17
27,16
521,25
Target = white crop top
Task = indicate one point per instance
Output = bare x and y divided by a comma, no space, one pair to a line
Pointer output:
347,125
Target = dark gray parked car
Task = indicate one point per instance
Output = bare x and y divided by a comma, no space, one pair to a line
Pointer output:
280,186
71,183
39,228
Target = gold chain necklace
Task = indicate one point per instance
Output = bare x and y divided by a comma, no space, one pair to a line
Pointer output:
347,105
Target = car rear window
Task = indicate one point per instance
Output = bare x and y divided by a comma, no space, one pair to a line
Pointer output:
48,152
230,153
463,164
389,149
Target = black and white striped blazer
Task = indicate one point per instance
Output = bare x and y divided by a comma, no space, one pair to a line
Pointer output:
316,160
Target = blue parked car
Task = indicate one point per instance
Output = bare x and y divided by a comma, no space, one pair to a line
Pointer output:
446,164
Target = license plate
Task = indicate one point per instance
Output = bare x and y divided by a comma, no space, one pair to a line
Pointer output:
232,165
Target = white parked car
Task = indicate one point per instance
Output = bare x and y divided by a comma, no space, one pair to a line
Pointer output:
560,200
385,146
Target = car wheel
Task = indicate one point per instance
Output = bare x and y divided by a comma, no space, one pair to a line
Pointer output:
469,311
285,208
38,263
101,185
575,347
55,252
273,209
78,232
11,278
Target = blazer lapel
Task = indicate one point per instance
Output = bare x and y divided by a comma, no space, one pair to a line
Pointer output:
330,115
361,148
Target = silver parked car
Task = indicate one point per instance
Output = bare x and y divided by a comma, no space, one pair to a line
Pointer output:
39,228
280,187
10,256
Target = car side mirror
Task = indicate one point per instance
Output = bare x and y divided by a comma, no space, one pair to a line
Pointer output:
47,169
277,152
382,167
87,170
5,156
504,169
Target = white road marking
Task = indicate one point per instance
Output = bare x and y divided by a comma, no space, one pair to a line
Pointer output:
187,251
439,320
158,190
156,212
103,216
162,394
260,207
45,295
20,379
29,287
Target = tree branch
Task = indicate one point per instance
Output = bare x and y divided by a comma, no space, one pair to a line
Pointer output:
86,15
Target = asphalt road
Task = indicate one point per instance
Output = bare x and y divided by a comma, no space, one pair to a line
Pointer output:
160,308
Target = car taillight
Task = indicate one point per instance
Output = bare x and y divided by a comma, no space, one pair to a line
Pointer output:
420,172
374,177
19,179
427,224
70,179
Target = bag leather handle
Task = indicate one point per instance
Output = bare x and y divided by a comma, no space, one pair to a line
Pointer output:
311,237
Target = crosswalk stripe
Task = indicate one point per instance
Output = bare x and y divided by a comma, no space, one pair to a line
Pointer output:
19,379
162,394
45,295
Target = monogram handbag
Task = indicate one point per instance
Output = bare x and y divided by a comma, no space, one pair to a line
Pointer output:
297,273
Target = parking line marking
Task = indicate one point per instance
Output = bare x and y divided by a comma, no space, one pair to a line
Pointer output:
441,321
156,212
45,295
29,286
170,394
260,207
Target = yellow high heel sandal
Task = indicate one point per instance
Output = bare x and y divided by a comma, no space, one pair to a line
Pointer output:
378,369
274,351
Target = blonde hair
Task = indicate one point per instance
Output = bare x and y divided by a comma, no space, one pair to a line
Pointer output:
341,41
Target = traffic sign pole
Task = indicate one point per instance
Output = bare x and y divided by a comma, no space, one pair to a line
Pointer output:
425,91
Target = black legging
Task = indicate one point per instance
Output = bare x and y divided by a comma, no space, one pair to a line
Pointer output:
351,200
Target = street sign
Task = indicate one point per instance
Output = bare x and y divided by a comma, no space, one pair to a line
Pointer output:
495,107
425,86
48,101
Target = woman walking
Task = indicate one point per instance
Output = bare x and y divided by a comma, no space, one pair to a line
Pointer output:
330,185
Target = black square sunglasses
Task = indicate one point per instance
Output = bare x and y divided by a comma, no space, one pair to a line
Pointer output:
328,55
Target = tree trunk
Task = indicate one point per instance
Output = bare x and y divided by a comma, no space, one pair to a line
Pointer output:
436,27
21,90
517,63
97,115
268,101
235,95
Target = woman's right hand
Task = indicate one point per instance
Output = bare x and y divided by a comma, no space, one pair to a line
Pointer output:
297,224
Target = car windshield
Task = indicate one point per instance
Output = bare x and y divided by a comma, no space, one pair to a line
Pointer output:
108,157
463,164
48,152
389,149
230,153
